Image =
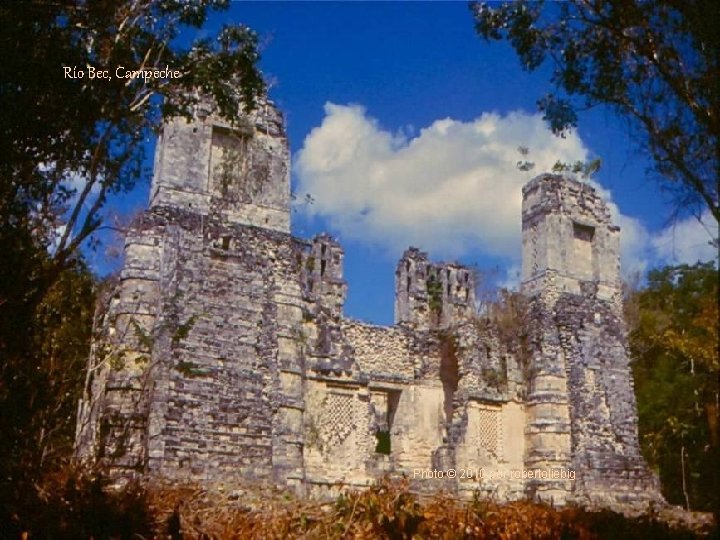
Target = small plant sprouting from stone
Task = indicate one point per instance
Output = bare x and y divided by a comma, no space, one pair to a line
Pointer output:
189,369
312,434
434,291
182,330
524,164
582,169
310,263
115,358
145,340
494,378
300,336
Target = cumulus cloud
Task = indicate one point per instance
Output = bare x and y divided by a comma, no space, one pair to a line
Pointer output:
687,241
636,253
451,188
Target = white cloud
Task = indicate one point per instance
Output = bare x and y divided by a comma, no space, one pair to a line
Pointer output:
512,277
452,188
687,241
636,254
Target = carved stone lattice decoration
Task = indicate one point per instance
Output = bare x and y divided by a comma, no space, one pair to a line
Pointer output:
489,431
338,418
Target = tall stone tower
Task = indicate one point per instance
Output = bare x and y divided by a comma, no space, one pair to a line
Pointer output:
568,239
580,406
241,171
186,380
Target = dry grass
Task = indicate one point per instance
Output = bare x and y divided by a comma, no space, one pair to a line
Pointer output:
77,507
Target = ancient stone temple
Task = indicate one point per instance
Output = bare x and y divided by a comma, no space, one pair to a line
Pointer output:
224,354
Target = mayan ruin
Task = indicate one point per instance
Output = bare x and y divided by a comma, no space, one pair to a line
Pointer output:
224,353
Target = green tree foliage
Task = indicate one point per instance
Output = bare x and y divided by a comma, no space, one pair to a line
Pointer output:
41,380
674,344
68,142
655,63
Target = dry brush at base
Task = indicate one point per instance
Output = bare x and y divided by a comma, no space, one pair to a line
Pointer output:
390,510
75,506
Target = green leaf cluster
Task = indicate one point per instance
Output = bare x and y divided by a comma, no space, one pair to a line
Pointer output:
68,143
43,351
654,63
674,343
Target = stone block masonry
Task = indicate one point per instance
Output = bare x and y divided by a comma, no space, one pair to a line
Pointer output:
224,354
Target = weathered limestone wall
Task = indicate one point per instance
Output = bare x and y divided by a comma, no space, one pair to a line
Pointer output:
242,171
548,429
491,447
580,405
225,355
606,452
419,427
208,390
488,419
431,295
114,421
386,353
214,409
338,433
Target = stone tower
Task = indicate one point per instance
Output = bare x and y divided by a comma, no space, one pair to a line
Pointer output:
186,380
324,275
431,295
580,407
241,171
568,239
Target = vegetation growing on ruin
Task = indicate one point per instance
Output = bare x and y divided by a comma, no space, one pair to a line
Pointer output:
674,342
655,64
434,292
75,506
674,335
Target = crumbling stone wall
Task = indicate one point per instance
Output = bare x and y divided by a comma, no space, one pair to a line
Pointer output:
431,295
224,354
580,404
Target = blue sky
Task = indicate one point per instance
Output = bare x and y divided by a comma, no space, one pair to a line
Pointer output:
403,126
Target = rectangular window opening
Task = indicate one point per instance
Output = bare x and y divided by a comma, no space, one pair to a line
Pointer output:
386,404
384,444
227,159
583,232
